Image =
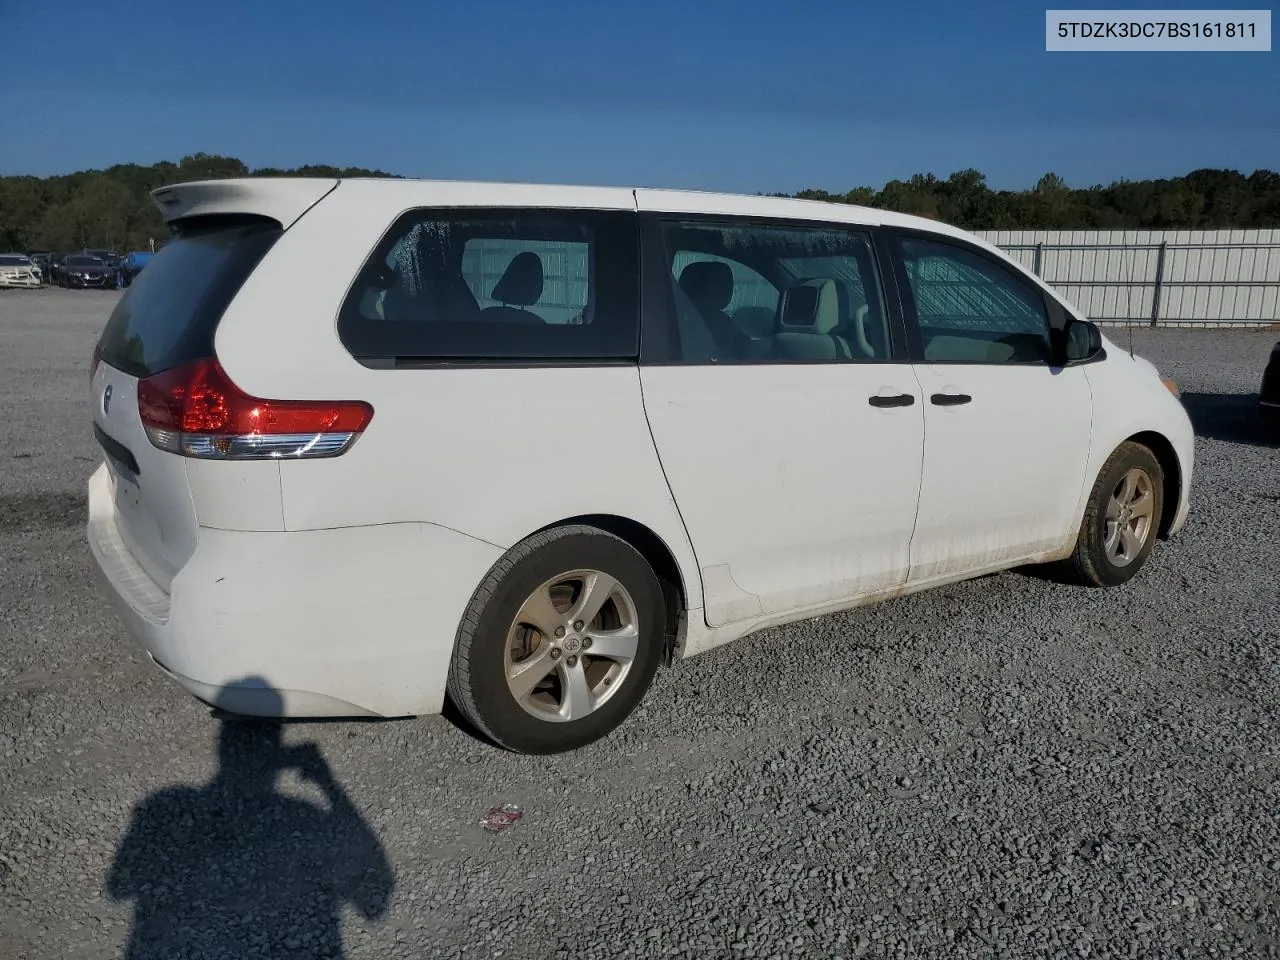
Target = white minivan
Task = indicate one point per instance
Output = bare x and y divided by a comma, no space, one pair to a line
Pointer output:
376,442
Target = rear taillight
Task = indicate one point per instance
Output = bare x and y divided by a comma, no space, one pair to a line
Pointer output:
195,410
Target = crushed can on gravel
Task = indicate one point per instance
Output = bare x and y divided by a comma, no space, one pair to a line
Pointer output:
500,817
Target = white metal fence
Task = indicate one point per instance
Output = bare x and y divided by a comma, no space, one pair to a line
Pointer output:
1157,277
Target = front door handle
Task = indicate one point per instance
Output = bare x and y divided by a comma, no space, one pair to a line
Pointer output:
901,400
949,399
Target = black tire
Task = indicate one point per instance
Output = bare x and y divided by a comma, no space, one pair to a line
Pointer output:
1089,564
477,682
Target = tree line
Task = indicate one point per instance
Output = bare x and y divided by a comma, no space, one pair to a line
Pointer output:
112,208
1203,199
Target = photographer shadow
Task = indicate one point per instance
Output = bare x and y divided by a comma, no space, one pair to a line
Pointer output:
235,867
1231,417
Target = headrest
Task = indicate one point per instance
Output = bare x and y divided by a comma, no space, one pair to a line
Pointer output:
708,283
810,306
521,284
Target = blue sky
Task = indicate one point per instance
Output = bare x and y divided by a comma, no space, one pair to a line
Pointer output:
712,94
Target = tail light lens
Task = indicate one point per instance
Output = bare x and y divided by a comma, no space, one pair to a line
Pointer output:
196,411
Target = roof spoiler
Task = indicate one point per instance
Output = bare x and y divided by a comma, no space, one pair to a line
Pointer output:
283,199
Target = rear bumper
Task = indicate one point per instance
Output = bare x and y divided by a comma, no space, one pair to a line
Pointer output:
356,621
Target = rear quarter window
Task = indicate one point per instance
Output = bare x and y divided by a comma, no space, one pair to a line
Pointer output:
498,285
169,314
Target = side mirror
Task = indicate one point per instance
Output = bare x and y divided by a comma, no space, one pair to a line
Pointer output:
1082,342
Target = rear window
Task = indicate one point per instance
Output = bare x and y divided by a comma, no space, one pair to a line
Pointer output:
498,285
170,312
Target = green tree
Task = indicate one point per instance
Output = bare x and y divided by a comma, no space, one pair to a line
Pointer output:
915,196
113,207
22,203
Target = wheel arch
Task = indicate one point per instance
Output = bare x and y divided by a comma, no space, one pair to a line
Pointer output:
660,558
1162,449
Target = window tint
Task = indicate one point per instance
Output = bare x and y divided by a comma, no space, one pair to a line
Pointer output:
760,293
498,285
168,315
971,309
749,288
564,270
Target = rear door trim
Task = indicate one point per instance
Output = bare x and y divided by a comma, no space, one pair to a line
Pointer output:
120,454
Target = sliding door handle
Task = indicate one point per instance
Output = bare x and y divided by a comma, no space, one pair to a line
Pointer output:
901,400
949,399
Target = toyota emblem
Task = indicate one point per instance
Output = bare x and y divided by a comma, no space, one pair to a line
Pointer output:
106,400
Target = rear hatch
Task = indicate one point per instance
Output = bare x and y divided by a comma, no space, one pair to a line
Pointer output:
167,319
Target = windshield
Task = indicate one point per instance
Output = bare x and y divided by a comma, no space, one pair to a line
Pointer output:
10,261
84,261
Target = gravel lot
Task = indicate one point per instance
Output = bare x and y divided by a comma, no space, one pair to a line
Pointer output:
1006,767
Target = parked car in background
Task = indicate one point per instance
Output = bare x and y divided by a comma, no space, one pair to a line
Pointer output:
83,272
56,261
133,264
1269,392
44,260
113,261
17,270
546,438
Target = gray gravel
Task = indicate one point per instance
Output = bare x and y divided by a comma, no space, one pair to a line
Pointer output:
1006,767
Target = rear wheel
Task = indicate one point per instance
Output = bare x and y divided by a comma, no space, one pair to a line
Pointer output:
1121,520
560,643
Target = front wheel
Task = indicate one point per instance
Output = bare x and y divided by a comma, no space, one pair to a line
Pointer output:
560,643
1121,520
